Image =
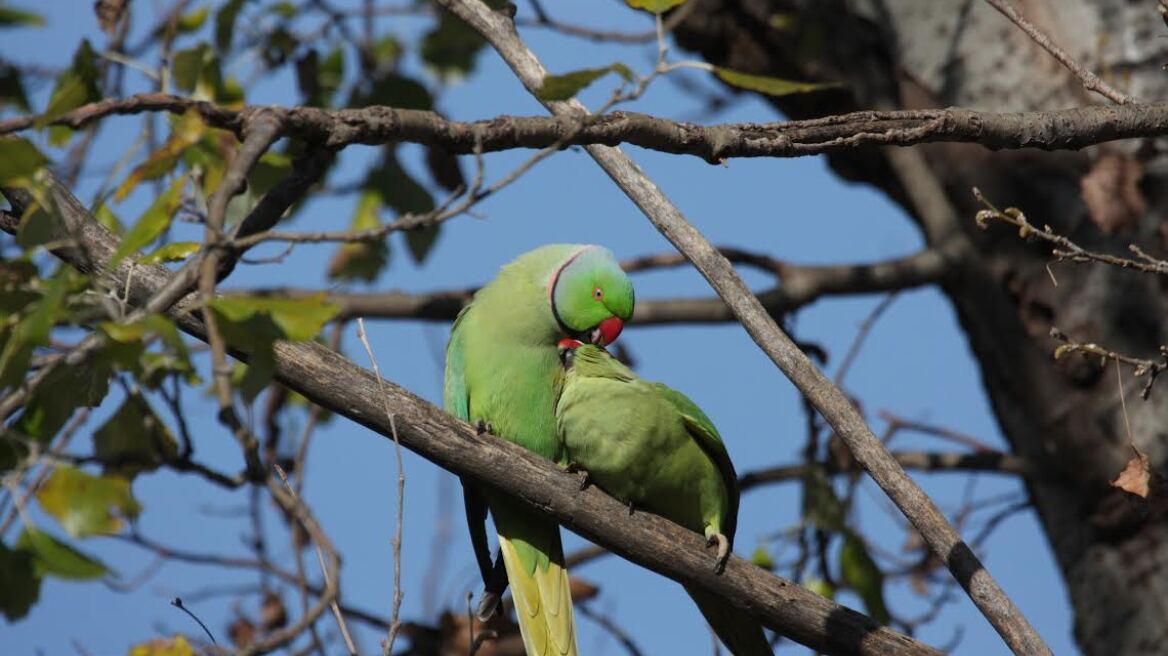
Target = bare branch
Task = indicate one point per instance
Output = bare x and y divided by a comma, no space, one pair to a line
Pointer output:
833,404
1064,129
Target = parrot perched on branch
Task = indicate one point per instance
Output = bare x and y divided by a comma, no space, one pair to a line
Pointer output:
503,373
653,448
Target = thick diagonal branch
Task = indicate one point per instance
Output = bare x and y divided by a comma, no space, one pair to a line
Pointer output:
828,399
332,381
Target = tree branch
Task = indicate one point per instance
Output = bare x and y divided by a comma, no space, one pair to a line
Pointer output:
333,382
1064,129
829,400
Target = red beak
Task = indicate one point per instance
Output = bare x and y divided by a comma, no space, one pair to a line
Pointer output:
569,343
608,330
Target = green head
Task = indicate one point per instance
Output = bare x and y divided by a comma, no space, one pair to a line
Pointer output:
591,361
591,296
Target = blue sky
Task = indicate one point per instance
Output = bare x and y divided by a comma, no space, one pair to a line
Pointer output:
916,364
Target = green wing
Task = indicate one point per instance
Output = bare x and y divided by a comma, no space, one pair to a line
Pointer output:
702,430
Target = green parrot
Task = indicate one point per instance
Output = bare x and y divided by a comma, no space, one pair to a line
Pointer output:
503,373
653,448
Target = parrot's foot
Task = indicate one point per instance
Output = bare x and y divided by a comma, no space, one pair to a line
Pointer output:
488,606
581,473
723,553
631,508
484,428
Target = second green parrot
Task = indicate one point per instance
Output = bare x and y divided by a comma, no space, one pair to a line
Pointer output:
650,446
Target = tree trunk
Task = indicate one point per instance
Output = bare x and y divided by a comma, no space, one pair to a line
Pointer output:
1065,416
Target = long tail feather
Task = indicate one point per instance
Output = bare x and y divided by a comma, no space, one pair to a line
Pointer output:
534,558
742,635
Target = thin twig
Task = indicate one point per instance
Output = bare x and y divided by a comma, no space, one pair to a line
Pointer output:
1090,81
177,602
323,570
394,622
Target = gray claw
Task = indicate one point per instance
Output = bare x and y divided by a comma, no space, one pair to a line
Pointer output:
723,553
581,473
484,428
488,606
631,508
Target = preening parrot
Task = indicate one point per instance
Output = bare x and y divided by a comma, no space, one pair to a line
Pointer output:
503,373
650,446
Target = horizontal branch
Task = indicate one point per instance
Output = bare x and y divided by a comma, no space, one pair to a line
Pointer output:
375,125
800,286
332,381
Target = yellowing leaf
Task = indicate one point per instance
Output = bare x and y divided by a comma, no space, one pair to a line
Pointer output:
153,222
52,556
176,646
762,558
769,85
187,131
13,17
193,20
820,587
19,160
172,252
655,6
361,260
299,319
87,505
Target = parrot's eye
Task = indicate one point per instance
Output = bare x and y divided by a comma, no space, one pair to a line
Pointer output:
598,293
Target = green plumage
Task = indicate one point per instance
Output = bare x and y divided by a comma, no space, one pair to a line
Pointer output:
503,369
649,445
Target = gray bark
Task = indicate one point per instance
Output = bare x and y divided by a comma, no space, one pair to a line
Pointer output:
1063,417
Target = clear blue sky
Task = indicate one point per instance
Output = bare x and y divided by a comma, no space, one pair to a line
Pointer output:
916,364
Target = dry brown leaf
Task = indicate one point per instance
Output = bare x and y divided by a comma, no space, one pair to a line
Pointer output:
241,632
1112,193
273,614
1135,477
581,590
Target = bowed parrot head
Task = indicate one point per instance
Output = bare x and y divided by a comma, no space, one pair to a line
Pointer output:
591,296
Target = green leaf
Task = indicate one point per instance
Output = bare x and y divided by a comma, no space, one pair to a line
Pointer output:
19,160
563,87
362,260
655,6
820,587
19,585
52,556
225,23
134,439
13,17
821,506
299,319
188,65
194,20
173,252
451,47
769,85
63,391
396,91
12,88
859,572
87,505
31,331
106,217
76,86
153,222
762,558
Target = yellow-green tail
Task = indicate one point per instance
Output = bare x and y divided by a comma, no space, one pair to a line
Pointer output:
738,631
534,558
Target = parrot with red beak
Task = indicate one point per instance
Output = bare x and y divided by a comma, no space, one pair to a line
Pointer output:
503,373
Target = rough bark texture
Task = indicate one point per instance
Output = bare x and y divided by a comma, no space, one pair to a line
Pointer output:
1062,416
